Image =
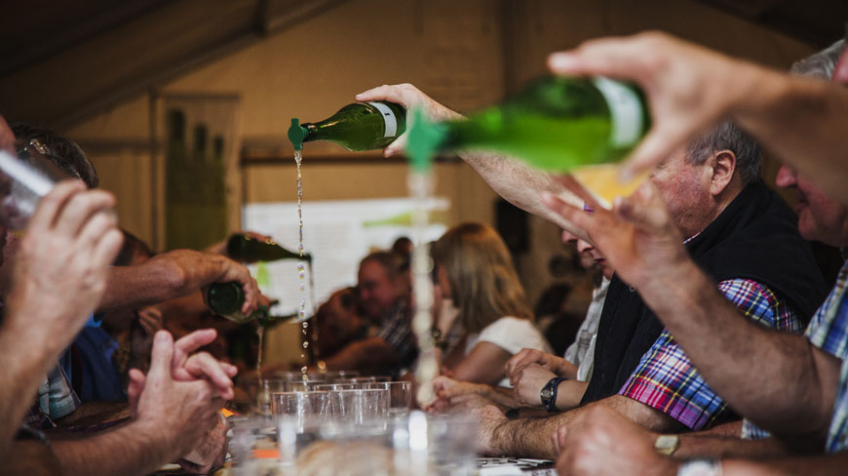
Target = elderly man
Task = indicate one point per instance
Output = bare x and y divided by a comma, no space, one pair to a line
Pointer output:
384,300
732,223
811,408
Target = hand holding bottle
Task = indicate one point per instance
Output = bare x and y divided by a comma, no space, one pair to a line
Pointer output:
689,88
407,96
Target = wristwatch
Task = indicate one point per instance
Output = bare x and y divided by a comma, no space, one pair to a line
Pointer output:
700,467
666,445
548,394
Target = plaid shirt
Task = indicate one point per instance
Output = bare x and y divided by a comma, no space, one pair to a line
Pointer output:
828,330
396,330
665,378
56,399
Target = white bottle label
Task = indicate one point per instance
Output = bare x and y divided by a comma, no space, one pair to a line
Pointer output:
388,117
625,111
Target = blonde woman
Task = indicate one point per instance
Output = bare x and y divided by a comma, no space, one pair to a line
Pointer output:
475,272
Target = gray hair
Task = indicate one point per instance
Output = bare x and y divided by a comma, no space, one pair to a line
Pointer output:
820,65
728,136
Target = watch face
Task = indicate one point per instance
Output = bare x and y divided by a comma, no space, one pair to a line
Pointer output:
547,393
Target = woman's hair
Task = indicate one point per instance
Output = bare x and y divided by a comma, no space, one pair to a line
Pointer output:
483,281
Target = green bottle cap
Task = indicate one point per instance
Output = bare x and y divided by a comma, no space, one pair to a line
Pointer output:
424,140
297,134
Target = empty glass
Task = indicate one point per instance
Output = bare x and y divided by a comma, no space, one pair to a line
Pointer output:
400,396
24,180
305,408
260,391
359,406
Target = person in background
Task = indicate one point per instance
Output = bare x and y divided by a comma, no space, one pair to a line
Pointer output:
383,292
474,270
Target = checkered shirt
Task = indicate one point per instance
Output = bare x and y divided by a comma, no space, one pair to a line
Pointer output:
665,378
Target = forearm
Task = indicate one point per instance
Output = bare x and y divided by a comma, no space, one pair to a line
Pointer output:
819,465
30,458
530,437
570,394
93,413
501,395
25,366
520,185
138,286
130,449
716,337
776,107
369,353
712,446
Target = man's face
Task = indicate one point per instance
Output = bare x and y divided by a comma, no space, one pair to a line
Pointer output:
376,291
685,190
819,217
587,249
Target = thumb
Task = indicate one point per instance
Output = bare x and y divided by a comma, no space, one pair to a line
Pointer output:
161,356
644,209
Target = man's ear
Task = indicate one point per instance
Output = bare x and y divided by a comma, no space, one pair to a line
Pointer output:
723,165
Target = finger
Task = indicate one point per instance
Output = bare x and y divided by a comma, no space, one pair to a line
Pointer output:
195,340
559,437
80,209
643,209
52,203
396,147
107,248
163,352
95,227
573,186
652,151
384,93
575,215
203,365
251,294
615,57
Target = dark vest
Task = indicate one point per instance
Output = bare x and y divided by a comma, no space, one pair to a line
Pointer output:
756,237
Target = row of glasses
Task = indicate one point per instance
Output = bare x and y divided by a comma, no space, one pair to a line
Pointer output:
417,444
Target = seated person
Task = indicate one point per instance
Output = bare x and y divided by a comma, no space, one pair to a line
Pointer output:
337,323
474,270
530,370
383,292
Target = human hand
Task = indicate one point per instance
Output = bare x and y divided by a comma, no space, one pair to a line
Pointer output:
689,88
198,270
407,96
529,382
210,451
600,441
60,268
489,420
181,412
637,237
188,365
525,357
148,323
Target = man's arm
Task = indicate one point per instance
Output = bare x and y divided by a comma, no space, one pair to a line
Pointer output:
372,353
171,275
640,241
31,458
515,182
58,277
690,88
533,437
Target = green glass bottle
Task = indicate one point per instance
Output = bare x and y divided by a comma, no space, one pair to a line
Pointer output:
242,247
226,300
357,127
555,123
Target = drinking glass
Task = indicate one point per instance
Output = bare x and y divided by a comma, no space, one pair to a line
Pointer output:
305,408
360,406
260,391
400,396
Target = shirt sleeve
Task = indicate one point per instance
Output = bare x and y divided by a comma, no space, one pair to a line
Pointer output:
665,378
513,334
